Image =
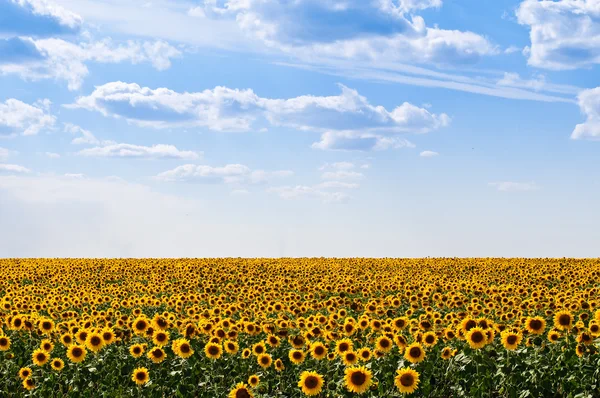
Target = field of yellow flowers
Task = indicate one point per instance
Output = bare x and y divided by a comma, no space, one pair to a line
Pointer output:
242,328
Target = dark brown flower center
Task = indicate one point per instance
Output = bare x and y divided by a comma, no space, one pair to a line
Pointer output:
415,352
242,393
311,382
477,337
95,340
358,378
319,350
140,376
512,339
185,348
77,352
535,324
564,320
407,379
213,350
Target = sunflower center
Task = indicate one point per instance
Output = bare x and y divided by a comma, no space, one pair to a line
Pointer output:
297,355
319,350
415,352
40,357
535,324
311,382
512,339
242,393
564,320
95,340
407,379
140,376
344,347
429,339
161,337
350,356
157,353
46,325
3,341
358,378
470,325
77,352
185,348
264,360
477,337
365,354
212,350
141,325
385,343
259,349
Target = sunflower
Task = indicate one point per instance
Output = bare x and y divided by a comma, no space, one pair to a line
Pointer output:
57,364
4,343
25,373
349,328
81,336
253,380
264,360
400,341
213,351
29,384
318,350
594,329
535,325
414,353
296,356
246,353
160,338
447,353
231,347
240,391
580,350
160,323
94,342
343,345
297,341
66,339
156,355
429,339
140,376
349,358
182,348
279,366
400,323
136,350
311,383
46,326
406,380
140,325
510,339
259,348
76,353
553,336
364,354
563,320
357,379
47,345
108,336
384,344
476,337
273,340
40,357
585,338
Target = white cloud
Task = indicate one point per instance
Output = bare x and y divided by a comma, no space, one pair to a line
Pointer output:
52,155
376,30
349,114
564,34
337,184
85,137
338,166
342,175
589,103
139,151
428,154
230,174
509,186
17,117
37,18
4,153
359,141
13,168
537,83
300,191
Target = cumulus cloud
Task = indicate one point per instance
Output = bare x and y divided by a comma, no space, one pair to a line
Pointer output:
377,30
84,137
19,118
31,46
564,34
13,168
509,186
428,154
359,141
304,191
62,60
139,151
52,155
36,18
230,174
589,103
348,121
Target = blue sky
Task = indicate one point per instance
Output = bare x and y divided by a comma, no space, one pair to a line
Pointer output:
299,128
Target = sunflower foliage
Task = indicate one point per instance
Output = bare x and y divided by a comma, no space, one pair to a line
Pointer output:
243,328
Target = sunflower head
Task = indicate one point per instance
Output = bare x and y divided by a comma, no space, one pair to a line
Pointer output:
414,353
311,383
357,379
140,376
406,380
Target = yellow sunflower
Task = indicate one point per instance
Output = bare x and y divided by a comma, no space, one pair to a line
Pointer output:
311,383
414,353
563,320
25,373
264,360
4,343
476,337
156,355
296,356
76,353
40,357
241,390
511,339
407,380
140,376
213,350
136,350
357,379
535,325
318,350
253,380
57,364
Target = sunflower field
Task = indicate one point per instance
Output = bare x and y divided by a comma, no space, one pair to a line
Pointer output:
239,328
